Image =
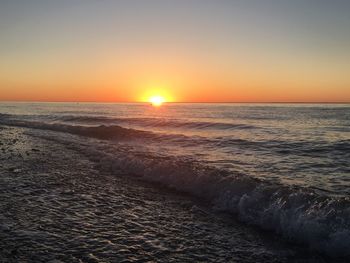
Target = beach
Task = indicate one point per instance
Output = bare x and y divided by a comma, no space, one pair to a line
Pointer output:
56,205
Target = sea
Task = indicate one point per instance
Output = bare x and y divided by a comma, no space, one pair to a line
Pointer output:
284,168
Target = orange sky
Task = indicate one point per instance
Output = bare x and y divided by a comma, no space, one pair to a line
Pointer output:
216,52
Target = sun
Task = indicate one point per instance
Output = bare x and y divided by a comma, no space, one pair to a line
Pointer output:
157,100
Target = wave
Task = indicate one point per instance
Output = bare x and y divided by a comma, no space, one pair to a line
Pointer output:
112,132
156,122
116,132
301,215
99,132
298,214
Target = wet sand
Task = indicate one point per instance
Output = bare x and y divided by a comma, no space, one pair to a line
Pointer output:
56,205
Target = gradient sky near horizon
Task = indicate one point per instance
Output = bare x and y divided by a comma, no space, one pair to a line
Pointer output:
185,50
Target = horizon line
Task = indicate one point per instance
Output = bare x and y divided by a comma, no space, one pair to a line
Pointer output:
181,102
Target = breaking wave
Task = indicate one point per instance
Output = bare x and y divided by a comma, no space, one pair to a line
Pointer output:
298,214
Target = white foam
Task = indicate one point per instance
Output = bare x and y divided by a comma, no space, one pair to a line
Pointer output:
300,215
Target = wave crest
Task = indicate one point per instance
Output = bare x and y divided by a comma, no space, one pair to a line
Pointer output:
298,214
156,122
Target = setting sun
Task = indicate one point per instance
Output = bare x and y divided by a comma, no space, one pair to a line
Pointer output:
157,100
155,93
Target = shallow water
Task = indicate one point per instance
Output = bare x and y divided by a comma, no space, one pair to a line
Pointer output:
58,206
281,167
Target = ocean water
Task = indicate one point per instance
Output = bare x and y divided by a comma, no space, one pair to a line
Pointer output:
281,167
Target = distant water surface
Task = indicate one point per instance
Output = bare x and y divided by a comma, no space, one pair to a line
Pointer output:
298,144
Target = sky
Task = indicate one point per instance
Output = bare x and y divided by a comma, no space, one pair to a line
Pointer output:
183,50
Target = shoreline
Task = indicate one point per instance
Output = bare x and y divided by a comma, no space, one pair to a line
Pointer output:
55,204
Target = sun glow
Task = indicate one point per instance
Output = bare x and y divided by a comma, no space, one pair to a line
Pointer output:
156,95
157,100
